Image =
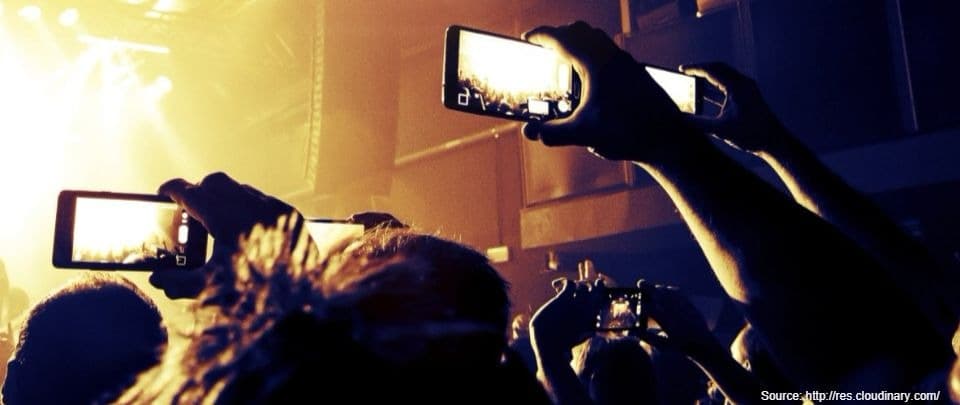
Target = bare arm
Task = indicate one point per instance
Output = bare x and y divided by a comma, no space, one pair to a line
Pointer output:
748,124
561,323
813,294
687,332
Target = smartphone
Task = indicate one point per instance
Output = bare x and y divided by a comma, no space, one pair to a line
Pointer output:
622,311
684,90
120,231
495,75
328,234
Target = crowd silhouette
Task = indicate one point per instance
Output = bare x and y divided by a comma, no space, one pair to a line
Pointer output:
835,297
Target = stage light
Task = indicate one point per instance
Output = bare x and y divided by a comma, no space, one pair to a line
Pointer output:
163,83
69,17
165,5
113,43
31,13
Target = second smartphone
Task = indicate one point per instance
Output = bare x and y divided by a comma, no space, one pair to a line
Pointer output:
499,76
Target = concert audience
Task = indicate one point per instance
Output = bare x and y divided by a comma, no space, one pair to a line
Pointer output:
820,300
84,343
835,295
424,317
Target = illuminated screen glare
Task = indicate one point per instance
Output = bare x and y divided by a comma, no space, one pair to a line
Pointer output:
129,232
681,88
330,235
512,78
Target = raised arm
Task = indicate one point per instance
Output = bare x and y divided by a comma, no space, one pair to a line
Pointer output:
562,323
687,332
748,124
813,294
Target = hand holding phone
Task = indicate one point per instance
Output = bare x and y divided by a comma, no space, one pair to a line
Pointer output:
684,326
121,231
504,77
499,76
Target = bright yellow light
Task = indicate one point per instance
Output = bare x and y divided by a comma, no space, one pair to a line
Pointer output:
69,17
118,231
165,5
57,132
31,13
119,44
163,84
528,70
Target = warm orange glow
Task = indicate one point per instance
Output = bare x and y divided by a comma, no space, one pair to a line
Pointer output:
67,120
118,231
93,100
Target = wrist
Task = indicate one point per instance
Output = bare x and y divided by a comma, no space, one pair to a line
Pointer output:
782,144
687,146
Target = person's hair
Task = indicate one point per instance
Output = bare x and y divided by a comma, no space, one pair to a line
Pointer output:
293,323
616,370
439,290
84,343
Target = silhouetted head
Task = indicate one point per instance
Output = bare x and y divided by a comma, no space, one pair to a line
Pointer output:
616,371
412,316
85,341
420,299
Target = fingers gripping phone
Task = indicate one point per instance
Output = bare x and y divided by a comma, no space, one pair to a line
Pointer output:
622,311
119,231
499,76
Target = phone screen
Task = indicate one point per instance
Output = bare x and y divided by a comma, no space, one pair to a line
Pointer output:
125,232
622,311
329,234
682,89
494,75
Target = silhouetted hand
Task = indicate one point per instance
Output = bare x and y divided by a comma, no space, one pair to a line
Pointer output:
745,120
371,220
228,210
685,328
623,114
568,319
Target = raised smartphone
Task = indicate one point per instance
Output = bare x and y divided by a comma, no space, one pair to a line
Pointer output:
122,231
